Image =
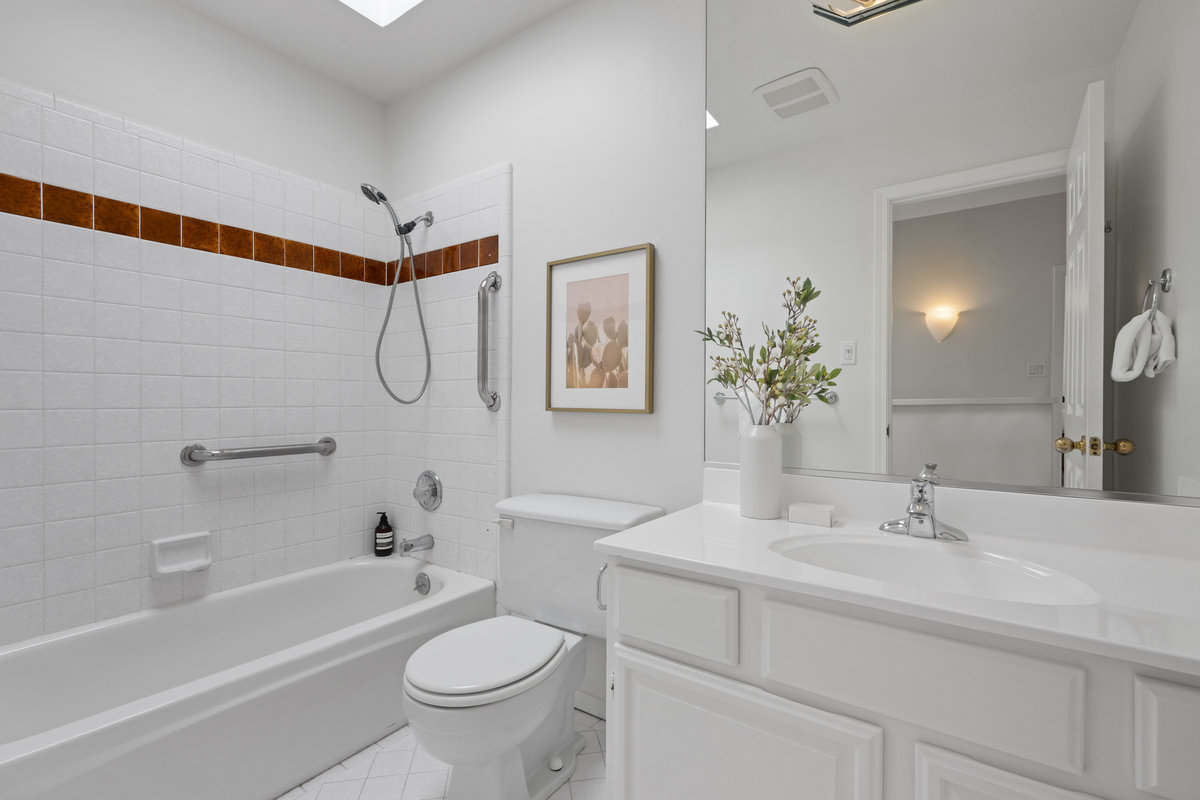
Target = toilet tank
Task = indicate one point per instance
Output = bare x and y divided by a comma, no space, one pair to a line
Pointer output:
547,566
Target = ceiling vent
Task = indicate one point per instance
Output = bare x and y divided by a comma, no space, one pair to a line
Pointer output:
798,93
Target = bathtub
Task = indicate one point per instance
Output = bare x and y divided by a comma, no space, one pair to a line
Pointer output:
239,695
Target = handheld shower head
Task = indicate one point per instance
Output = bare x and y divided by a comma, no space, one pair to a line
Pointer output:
402,229
373,194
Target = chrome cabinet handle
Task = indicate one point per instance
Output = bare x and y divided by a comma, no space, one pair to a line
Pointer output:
491,400
600,604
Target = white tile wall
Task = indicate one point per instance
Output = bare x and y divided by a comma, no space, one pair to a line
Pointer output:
449,430
115,353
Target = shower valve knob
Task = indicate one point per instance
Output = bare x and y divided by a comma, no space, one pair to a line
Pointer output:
428,490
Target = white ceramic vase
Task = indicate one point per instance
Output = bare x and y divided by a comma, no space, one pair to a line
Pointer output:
761,479
789,434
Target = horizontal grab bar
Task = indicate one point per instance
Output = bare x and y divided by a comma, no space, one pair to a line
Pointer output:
196,454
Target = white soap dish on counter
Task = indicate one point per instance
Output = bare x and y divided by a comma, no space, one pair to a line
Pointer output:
189,552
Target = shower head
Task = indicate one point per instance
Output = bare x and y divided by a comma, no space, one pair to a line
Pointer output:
373,194
379,198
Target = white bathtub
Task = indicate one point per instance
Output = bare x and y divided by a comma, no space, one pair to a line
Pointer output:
239,695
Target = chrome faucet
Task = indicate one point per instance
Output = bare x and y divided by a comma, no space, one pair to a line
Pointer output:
407,546
920,520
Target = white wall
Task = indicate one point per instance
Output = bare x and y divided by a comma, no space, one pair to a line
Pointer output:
169,67
1158,165
810,212
995,265
594,108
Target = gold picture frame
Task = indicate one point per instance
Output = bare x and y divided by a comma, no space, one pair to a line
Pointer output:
600,332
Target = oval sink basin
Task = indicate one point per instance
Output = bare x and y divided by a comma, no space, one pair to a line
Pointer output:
935,566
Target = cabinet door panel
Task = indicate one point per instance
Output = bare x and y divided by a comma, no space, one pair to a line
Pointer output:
684,733
1167,726
943,775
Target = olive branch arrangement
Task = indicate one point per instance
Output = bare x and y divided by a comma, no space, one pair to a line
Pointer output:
774,382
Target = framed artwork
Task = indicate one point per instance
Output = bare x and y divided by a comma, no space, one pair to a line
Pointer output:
600,332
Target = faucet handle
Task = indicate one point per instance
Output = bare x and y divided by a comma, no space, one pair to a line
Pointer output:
930,474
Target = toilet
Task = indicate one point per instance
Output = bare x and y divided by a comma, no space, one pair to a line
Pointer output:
495,698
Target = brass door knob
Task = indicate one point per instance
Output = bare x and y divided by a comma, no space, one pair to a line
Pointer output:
1122,446
1094,445
1064,445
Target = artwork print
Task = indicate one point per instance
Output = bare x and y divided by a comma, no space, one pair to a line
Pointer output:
597,324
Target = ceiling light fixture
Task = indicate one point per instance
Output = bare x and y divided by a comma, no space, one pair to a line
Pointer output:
850,12
710,120
382,12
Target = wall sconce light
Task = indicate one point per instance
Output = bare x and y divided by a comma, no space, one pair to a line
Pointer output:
940,321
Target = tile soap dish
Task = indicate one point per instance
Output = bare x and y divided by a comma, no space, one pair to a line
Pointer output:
189,552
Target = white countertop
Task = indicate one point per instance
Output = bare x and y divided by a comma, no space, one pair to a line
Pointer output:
1148,611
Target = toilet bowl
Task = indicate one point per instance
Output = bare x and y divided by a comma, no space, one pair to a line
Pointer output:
494,700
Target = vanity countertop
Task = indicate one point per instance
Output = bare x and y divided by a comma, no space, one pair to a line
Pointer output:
1145,607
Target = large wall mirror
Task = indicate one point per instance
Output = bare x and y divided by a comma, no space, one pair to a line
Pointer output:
1025,165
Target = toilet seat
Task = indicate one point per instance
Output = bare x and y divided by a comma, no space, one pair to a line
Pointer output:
483,662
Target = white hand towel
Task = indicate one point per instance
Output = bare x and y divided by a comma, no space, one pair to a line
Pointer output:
1132,348
1162,345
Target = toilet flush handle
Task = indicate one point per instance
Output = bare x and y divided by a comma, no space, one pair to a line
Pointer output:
600,604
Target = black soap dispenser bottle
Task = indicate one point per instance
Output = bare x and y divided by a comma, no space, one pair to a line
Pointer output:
385,541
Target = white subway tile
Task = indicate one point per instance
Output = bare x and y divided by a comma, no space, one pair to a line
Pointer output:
201,149
70,537
66,169
118,496
257,166
235,181
20,157
200,203
20,118
116,425
115,146
236,211
268,220
20,468
118,599
160,159
88,113
21,235
68,390
153,134
200,171
20,273
66,132
68,354
118,461
69,610
163,194
117,356
118,183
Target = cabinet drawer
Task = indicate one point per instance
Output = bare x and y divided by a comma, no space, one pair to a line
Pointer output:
1167,736
1023,706
690,617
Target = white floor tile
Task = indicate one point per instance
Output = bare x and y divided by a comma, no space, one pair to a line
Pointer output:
591,742
423,762
391,762
389,787
587,790
588,766
341,790
397,768
425,785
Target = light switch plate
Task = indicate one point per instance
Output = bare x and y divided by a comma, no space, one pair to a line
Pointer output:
849,353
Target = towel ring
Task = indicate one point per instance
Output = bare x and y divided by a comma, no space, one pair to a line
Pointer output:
1154,288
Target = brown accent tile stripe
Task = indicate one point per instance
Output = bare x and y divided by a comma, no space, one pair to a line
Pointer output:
114,216
200,234
268,249
162,226
20,196
66,206
298,255
28,198
237,242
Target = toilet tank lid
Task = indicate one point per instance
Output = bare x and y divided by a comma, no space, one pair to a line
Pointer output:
587,512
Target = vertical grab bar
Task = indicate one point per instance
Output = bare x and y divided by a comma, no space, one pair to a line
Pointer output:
491,400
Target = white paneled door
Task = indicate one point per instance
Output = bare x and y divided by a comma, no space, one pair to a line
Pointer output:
1083,337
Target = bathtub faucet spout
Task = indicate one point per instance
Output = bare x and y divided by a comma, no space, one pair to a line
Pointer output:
406,546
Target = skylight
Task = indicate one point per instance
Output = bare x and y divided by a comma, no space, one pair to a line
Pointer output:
382,12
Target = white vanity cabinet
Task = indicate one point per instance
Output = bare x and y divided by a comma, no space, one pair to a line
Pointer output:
723,688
